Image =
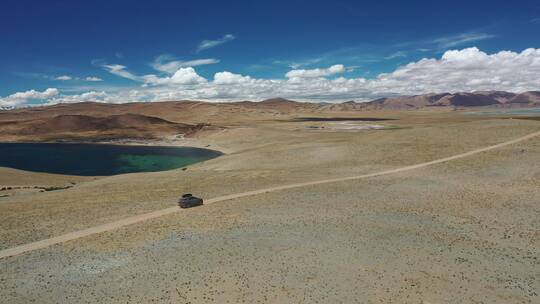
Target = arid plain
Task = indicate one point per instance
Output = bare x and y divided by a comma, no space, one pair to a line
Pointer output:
463,231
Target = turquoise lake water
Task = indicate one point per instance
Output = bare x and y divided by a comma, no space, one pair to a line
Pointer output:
532,111
97,159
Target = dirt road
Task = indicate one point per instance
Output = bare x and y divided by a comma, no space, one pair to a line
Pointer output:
147,216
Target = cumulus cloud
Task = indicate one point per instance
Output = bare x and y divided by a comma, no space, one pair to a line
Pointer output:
456,70
208,44
186,76
63,78
167,64
464,70
313,73
87,96
20,98
230,78
93,79
183,76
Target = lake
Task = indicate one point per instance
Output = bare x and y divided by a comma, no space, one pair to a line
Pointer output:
519,111
98,159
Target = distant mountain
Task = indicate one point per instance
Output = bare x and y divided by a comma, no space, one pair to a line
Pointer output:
474,99
102,121
276,106
532,97
195,112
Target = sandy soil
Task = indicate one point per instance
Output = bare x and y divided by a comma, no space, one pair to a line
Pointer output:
463,231
33,246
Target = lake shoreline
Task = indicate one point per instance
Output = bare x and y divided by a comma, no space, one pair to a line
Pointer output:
165,143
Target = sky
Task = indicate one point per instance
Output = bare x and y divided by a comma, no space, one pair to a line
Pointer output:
125,51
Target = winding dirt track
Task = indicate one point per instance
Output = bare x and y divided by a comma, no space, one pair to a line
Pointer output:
148,216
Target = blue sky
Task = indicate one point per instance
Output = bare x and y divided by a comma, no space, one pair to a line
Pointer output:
114,50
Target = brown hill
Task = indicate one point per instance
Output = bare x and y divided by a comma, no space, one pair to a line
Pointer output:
190,112
280,105
278,100
83,126
83,123
225,113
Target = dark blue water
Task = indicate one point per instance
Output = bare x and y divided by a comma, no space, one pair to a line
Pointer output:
97,159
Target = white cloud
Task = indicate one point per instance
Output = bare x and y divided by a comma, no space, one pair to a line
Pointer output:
93,79
460,39
466,70
90,78
187,76
446,42
306,62
63,78
120,70
183,76
455,71
20,98
87,96
313,73
167,64
208,44
230,78
398,54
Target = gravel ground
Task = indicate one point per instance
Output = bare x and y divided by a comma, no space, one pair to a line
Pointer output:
467,231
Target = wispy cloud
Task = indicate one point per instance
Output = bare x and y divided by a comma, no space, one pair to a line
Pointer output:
460,39
182,76
168,64
398,54
208,44
93,79
444,43
58,78
351,56
120,70
295,64
63,78
535,20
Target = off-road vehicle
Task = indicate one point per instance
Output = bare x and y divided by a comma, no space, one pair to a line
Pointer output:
188,200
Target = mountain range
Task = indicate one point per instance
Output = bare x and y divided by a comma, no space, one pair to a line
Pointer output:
455,100
157,119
